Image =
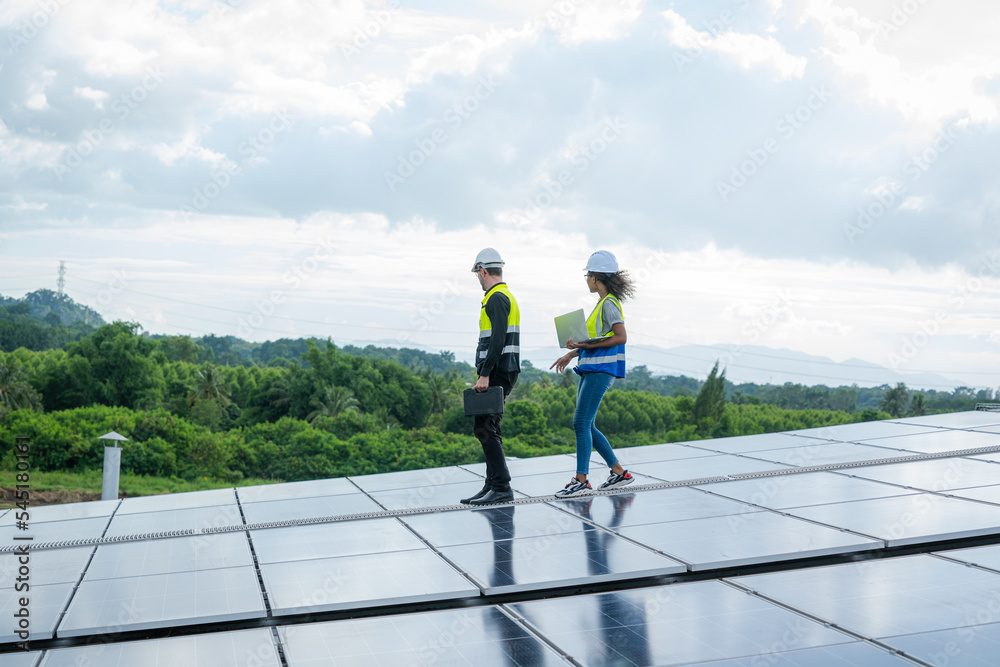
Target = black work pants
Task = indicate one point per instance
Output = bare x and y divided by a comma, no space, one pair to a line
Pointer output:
487,430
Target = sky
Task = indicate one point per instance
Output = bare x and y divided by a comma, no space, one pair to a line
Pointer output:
810,175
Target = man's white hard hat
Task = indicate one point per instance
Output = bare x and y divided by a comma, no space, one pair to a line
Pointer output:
602,261
488,258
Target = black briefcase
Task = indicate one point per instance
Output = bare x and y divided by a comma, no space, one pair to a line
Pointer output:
489,402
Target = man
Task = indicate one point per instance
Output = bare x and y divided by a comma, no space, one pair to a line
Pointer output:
498,362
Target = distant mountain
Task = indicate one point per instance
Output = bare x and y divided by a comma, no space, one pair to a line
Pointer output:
764,365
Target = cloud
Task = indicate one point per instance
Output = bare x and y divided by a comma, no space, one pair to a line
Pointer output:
746,50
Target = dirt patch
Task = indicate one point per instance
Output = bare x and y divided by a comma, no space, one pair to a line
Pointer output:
51,497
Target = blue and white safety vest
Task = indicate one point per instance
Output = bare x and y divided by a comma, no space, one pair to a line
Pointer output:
603,359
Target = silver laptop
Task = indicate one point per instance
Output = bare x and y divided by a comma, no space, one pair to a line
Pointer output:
573,325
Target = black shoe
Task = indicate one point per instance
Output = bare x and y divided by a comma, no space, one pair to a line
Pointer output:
482,492
494,497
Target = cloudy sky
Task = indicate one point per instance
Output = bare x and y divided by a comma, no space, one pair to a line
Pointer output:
811,175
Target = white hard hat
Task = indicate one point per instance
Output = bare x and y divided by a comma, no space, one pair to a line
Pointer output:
602,261
488,258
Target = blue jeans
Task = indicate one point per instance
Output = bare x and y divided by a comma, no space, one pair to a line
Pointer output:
592,388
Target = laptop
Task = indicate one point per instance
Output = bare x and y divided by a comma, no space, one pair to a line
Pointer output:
573,325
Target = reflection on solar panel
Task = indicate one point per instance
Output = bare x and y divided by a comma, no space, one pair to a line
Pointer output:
863,544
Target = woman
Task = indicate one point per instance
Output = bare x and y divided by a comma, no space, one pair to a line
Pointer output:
601,361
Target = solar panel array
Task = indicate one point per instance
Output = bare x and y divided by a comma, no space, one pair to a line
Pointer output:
874,543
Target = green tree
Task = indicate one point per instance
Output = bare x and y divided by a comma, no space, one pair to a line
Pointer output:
894,400
15,391
710,404
335,400
918,407
210,385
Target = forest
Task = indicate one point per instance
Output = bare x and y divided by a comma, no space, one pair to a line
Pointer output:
222,408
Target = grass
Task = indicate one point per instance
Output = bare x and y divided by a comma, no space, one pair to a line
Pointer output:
129,485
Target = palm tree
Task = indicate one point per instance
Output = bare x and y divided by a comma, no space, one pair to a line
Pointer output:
15,392
210,385
335,400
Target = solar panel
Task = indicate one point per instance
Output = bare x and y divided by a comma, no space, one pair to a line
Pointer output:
864,431
46,603
47,566
308,489
177,501
165,556
713,466
988,557
940,441
565,559
163,600
680,624
247,648
347,538
747,539
826,453
987,494
56,531
754,443
881,599
971,419
911,519
407,479
648,507
474,636
21,659
534,520
939,608
804,489
370,580
309,508
633,455
934,474
197,518
46,513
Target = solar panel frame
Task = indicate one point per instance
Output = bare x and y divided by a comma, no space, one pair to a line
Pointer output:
318,541
163,600
170,556
309,508
254,647
783,492
912,519
480,636
177,501
195,518
747,539
680,624
354,582
62,512
408,479
46,603
47,566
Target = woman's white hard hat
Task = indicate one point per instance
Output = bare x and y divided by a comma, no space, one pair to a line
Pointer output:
602,261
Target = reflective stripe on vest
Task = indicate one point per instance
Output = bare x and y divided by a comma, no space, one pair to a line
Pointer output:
603,359
510,356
